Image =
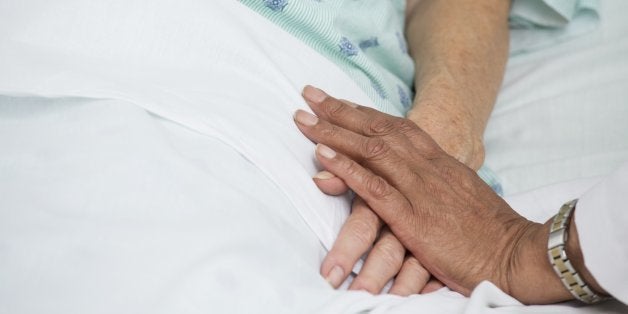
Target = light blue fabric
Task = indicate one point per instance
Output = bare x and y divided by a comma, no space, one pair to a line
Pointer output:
540,23
490,177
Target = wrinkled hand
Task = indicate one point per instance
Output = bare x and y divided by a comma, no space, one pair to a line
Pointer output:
387,259
456,134
364,232
439,209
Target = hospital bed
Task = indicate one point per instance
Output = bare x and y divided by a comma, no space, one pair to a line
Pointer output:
149,162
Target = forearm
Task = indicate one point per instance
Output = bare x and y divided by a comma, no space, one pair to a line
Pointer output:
460,49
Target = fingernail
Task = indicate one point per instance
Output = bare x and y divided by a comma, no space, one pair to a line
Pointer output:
325,151
335,276
305,118
314,94
324,175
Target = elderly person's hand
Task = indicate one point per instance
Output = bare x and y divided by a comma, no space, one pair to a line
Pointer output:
457,78
438,208
362,233
387,259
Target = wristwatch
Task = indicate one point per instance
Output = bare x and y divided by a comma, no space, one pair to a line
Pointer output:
559,260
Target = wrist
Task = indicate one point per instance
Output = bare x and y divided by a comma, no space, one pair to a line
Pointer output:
531,277
453,129
442,90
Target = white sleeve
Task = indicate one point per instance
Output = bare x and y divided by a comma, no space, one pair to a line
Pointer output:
602,220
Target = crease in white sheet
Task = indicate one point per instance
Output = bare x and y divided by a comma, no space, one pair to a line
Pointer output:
106,208
178,71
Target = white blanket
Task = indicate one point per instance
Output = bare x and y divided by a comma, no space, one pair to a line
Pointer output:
163,172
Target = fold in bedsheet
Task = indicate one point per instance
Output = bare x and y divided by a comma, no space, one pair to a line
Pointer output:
180,62
107,208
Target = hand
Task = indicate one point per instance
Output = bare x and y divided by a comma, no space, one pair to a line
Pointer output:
440,210
455,135
363,233
387,259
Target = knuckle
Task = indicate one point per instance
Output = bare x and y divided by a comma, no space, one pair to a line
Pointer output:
363,213
375,148
406,126
378,187
334,109
413,264
390,253
380,126
350,167
362,232
329,131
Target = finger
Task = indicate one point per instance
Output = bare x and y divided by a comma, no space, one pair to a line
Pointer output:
344,113
337,110
382,264
375,152
420,139
432,285
319,131
329,184
405,134
411,278
355,238
384,199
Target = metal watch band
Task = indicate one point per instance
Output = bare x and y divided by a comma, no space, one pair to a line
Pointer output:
559,260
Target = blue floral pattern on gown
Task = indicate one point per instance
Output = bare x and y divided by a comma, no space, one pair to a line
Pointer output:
276,5
403,97
347,48
368,43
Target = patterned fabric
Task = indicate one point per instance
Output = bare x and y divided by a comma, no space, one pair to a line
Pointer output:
363,37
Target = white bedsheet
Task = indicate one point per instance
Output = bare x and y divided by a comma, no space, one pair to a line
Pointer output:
158,190
107,208
562,112
205,65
